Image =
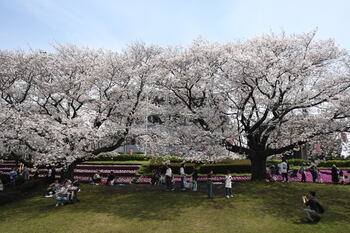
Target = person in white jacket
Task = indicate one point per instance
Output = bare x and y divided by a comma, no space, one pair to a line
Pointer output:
168,178
283,169
228,185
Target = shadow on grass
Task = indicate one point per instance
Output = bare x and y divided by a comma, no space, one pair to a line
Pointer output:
141,202
146,202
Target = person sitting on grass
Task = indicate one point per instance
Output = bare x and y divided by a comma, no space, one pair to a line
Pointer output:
62,195
96,178
52,189
313,213
228,185
13,176
73,190
110,178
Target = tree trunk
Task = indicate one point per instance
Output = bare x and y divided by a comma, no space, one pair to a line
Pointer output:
258,166
68,173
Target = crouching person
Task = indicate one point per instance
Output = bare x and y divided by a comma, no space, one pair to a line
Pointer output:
313,213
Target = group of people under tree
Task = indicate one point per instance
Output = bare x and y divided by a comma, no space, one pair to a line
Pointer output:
65,192
167,177
16,176
98,179
284,170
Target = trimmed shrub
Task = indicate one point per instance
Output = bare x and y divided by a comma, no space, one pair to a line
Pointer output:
175,167
327,163
137,157
338,163
245,162
222,168
121,157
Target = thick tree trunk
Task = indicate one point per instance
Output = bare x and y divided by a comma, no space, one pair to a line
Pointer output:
258,166
68,173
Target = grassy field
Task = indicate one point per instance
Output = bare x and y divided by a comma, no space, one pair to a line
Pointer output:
257,207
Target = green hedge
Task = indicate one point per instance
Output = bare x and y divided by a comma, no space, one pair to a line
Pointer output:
217,168
295,162
175,167
121,157
137,157
338,163
222,168
327,163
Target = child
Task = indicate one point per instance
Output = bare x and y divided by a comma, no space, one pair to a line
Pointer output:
228,185
319,177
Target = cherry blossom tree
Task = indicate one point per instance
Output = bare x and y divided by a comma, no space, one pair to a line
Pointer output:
260,97
81,102
264,96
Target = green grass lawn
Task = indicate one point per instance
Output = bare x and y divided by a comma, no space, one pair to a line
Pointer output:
257,207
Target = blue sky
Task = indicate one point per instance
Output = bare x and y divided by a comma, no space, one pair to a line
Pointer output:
115,24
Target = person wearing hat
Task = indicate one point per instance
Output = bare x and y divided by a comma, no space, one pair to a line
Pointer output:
335,174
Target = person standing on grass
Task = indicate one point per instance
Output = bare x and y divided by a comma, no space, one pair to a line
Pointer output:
335,174
313,171
183,176
283,169
195,179
302,173
228,185
319,176
210,184
312,214
168,178
1,186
